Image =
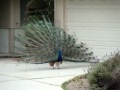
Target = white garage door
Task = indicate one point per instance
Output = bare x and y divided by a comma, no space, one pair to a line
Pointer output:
96,23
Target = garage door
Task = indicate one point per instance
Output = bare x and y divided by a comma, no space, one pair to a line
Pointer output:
96,23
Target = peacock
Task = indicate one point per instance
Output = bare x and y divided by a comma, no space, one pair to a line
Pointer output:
44,42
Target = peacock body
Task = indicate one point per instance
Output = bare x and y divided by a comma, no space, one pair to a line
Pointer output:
45,42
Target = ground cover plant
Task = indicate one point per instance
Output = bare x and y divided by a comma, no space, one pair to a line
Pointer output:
106,75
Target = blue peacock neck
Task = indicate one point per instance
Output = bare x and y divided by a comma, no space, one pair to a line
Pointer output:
59,55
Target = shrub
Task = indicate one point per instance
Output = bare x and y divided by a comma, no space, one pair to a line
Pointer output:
105,74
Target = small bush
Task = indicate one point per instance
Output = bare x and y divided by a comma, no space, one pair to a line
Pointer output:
105,74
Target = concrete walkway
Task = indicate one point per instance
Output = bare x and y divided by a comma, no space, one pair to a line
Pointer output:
20,76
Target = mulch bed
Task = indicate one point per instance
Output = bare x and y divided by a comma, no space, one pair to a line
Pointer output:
81,83
77,83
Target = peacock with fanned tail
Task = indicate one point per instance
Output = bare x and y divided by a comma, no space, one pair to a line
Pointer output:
44,42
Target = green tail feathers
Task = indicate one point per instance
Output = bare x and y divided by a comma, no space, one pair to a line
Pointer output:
42,40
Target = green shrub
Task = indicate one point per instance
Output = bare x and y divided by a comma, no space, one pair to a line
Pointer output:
105,74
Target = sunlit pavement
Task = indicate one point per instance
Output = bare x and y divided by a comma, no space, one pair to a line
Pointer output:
21,76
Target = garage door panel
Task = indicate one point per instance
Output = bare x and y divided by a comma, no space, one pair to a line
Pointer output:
93,2
103,51
89,25
96,23
94,7
89,39
103,34
94,15
93,28
97,43
101,43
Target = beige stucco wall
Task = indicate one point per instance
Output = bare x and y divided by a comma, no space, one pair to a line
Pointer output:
4,40
15,14
9,22
59,13
14,23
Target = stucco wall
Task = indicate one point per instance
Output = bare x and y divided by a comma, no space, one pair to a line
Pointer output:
15,14
4,40
18,45
9,22
59,12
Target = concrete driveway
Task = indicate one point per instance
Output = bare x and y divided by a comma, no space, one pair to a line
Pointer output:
21,76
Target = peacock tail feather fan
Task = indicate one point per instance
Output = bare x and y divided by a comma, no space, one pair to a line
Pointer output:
43,41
